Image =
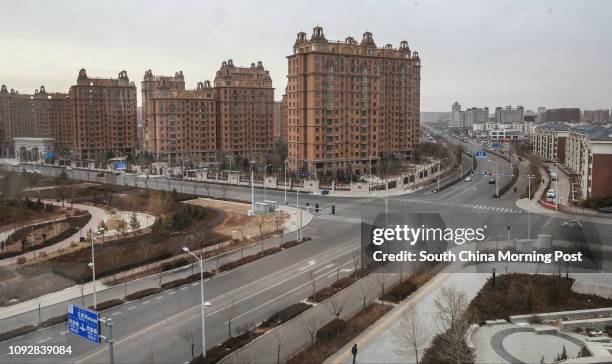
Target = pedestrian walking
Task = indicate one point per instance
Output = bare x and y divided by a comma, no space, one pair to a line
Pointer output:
354,351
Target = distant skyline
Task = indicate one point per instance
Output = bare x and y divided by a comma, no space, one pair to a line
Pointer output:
480,53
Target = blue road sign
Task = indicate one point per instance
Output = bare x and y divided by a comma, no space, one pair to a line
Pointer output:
84,322
120,166
50,155
494,145
480,154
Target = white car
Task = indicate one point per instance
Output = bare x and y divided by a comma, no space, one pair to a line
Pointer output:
468,179
551,194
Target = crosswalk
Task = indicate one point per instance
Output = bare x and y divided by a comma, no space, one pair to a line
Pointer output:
343,219
477,207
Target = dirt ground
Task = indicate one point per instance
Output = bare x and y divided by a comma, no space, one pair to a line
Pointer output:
237,223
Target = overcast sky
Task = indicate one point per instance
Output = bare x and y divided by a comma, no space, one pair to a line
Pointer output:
480,53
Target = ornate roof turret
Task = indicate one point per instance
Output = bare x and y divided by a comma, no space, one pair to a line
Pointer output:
317,35
368,40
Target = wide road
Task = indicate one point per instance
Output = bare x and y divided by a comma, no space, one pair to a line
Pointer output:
153,329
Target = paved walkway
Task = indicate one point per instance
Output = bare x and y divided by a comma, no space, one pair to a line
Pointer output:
97,215
380,342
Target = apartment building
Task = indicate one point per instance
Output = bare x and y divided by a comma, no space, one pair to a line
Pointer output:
549,141
589,156
37,115
509,115
103,116
564,115
474,115
245,100
596,116
208,124
349,103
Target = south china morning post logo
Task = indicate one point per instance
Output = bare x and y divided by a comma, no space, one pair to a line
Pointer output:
413,241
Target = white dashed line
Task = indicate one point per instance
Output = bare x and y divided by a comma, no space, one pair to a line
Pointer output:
64,332
183,288
131,308
44,340
146,302
159,297
172,292
117,313
195,283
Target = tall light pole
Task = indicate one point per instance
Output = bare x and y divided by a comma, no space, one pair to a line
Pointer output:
297,205
556,187
529,178
285,163
386,208
204,303
264,181
92,265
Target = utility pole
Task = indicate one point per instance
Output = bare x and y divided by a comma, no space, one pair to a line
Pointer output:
556,187
285,163
252,194
93,268
529,178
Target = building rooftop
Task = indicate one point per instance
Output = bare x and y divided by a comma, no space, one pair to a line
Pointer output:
554,125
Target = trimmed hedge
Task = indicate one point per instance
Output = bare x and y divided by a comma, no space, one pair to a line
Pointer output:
401,291
330,330
54,320
17,332
108,304
140,294
285,315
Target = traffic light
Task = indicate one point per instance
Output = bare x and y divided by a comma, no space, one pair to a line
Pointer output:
333,209
317,207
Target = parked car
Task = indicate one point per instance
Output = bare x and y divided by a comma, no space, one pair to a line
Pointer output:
325,192
551,194
100,174
468,179
491,180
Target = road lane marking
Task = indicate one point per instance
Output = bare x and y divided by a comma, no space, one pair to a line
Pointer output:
171,292
116,313
44,340
324,268
64,332
183,288
309,264
159,297
131,308
195,283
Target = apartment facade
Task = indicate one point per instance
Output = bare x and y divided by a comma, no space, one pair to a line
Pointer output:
564,115
38,115
549,141
509,115
474,115
596,116
349,103
245,99
103,116
589,156
233,117
181,124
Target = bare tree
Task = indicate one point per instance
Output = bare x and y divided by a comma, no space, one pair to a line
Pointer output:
230,313
277,219
381,279
452,321
363,289
335,306
189,337
311,325
278,340
356,258
260,221
411,331
313,283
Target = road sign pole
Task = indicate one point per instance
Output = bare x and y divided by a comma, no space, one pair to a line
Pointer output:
109,339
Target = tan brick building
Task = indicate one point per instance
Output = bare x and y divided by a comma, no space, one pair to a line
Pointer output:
103,116
38,115
181,124
236,116
350,103
245,100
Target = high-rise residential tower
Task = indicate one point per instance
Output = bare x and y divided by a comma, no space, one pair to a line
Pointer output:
349,103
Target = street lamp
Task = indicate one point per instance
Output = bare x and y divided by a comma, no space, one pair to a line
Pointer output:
264,181
285,163
204,303
92,265
529,178
386,207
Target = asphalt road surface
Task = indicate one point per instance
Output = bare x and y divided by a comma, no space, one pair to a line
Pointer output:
153,329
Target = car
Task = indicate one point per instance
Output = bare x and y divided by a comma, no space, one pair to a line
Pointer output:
553,176
492,181
100,174
68,168
550,194
468,179
325,192
572,224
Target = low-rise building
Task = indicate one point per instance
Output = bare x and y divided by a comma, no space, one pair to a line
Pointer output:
589,156
549,141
